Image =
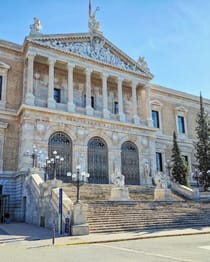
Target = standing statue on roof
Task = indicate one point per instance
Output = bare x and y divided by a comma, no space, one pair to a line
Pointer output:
93,24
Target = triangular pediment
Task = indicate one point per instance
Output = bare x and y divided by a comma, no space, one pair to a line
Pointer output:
95,48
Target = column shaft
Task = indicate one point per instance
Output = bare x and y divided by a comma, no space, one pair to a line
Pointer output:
105,95
51,100
134,99
89,109
29,99
120,100
71,106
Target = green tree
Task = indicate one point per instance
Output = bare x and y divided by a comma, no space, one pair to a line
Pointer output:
202,146
179,169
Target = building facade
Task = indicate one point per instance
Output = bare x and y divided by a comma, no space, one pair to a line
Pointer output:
82,96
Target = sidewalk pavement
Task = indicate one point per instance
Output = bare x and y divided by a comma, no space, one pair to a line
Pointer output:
31,236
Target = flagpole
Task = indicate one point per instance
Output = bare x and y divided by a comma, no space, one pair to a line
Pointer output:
90,8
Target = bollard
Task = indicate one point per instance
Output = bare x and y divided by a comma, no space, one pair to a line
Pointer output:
53,235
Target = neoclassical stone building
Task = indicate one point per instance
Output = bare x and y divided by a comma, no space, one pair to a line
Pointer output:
82,96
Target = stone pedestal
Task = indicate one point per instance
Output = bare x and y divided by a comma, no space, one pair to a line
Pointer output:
79,230
29,99
51,103
80,226
120,194
162,194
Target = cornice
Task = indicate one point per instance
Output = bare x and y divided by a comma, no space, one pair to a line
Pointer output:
84,118
10,45
178,94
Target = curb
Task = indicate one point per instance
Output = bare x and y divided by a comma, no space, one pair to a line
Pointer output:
131,238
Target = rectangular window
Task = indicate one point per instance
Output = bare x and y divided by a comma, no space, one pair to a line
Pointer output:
1,85
155,119
92,102
57,95
116,109
185,158
159,164
181,127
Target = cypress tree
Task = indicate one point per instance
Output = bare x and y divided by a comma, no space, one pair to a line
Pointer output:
202,146
179,169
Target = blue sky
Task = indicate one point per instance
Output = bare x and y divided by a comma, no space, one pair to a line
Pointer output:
172,35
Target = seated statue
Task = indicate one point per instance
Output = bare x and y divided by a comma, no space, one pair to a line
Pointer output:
36,27
160,180
118,179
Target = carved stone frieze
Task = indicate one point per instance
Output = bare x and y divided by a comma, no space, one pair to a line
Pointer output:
95,49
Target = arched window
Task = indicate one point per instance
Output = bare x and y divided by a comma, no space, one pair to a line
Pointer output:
130,163
98,161
61,143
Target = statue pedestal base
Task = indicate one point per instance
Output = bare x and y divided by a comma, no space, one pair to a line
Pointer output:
79,230
162,194
80,226
120,194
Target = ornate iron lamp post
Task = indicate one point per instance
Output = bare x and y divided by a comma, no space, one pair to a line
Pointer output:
35,155
78,180
45,167
54,162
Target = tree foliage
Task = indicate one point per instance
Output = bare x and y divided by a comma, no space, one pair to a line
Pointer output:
179,169
202,146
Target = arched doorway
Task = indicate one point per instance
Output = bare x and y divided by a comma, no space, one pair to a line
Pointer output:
98,161
61,143
130,163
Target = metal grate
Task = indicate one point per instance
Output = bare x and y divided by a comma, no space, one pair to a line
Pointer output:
61,143
98,161
130,163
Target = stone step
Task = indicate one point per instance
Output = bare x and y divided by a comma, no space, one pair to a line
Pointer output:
90,192
111,216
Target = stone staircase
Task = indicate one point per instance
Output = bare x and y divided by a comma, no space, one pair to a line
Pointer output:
93,192
140,213
115,216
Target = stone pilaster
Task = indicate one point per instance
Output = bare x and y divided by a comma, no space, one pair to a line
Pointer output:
51,100
29,98
120,99
106,112
89,109
135,115
70,104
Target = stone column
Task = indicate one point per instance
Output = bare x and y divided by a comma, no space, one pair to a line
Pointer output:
120,99
106,113
29,98
135,115
70,104
89,109
51,100
148,106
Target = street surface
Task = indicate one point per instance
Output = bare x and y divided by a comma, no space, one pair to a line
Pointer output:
194,248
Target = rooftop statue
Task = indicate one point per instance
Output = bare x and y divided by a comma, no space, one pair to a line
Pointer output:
93,24
36,27
141,61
